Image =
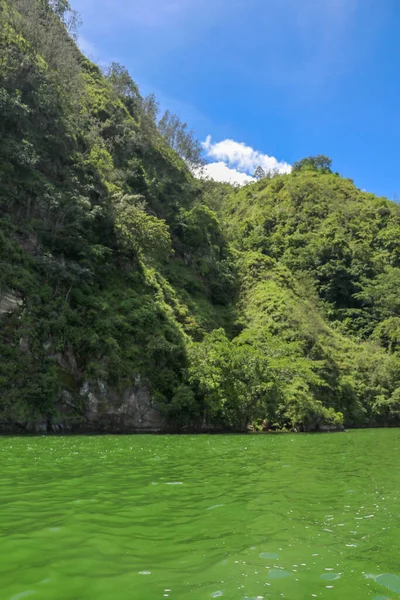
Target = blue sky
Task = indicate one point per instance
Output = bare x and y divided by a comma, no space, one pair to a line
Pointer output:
271,81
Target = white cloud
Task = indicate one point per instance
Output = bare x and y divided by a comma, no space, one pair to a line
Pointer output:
219,171
237,162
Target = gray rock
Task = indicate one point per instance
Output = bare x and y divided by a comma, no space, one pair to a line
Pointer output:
36,427
9,302
24,345
84,389
108,410
67,399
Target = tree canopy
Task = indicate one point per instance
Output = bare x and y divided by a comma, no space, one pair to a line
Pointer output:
314,163
181,139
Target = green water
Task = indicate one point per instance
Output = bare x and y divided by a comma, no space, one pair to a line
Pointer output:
193,518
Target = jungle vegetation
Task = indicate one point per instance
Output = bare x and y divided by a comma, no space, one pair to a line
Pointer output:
275,304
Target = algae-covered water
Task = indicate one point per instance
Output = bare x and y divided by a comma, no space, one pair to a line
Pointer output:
200,517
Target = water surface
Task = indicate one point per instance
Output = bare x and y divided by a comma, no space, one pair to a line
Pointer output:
200,517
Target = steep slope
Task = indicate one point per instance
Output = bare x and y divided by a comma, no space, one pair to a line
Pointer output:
320,266
107,252
136,297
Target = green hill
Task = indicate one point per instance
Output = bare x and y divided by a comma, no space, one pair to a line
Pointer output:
134,296
319,267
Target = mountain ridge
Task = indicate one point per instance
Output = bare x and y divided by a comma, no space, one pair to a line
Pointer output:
123,276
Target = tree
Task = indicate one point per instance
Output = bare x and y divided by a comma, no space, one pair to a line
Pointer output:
121,81
382,294
233,378
61,8
148,122
45,24
124,87
150,107
182,140
319,163
139,232
64,12
259,173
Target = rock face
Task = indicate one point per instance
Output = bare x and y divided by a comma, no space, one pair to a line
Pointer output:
9,302
132,412
98,410
91,406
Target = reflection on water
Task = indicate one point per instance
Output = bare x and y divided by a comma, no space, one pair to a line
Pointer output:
193,518
392,582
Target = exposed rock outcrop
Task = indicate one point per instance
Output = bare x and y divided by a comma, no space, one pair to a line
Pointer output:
96,409
132,411
9,302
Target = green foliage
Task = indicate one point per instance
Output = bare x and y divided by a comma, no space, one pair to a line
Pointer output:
311,415
139,233
90,198
318,268
276,303
314,163
124,87
201,245
232,378
178,137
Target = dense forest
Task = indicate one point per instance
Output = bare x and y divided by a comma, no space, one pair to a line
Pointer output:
270,306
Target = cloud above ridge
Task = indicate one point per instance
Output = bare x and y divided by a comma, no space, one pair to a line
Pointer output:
235,162
219,171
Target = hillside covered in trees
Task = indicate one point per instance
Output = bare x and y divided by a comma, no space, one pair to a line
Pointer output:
275,304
